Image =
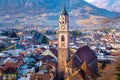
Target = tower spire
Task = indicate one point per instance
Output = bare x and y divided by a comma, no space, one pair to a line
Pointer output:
64,11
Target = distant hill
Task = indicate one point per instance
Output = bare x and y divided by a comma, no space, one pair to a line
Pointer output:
46,12
112,5
111,23
14,6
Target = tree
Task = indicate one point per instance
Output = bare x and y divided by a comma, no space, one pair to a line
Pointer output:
76,33
2,47
118,70
45,40
30,62
111,71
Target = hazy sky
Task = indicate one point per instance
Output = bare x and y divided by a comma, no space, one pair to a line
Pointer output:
89,0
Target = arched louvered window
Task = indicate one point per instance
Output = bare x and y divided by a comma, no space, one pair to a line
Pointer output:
62,38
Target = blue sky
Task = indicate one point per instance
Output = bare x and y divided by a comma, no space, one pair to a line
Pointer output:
89,0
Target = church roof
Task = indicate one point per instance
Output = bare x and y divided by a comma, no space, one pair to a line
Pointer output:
84,56
64,11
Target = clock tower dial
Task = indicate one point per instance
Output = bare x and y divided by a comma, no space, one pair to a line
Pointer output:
63,22
63,27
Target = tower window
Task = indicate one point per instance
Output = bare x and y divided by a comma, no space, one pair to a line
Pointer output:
62,38
63,22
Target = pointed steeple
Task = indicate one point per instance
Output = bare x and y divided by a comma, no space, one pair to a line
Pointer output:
64,11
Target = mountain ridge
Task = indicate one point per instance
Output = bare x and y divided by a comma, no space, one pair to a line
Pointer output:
111,5
46,12
44,5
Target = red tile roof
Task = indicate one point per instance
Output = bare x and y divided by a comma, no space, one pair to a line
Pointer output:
12,66
108,37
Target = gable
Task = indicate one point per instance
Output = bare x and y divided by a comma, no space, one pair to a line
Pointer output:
48,52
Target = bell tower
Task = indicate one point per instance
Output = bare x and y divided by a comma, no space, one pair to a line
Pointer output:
63,43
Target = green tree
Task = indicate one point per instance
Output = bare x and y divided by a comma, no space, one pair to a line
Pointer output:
45,40
2,47
76,33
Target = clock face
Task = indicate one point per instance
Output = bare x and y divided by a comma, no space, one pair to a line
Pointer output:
63,27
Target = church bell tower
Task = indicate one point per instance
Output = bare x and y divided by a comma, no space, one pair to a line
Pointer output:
63,43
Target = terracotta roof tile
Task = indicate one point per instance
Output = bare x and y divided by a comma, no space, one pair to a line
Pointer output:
12,66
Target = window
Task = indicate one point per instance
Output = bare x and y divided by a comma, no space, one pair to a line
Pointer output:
63,22
62,38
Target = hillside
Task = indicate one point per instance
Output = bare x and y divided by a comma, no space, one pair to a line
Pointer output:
29,13
112,5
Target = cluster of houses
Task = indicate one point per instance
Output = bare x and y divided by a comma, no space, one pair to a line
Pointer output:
99,41
28,64
41,64
39,61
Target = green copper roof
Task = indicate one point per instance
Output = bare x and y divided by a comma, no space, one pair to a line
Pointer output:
64,11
